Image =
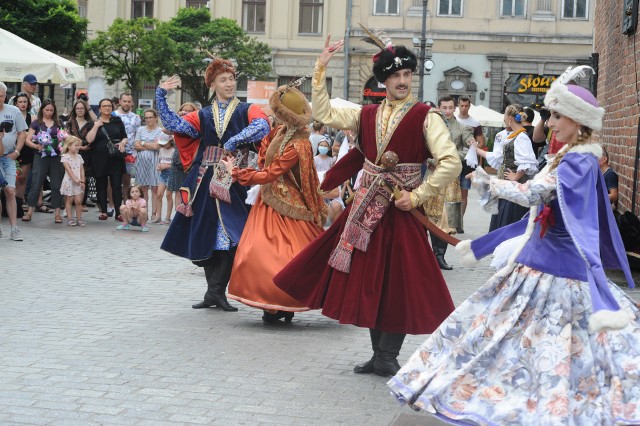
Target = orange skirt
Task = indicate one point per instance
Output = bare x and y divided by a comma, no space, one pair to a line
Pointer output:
269,241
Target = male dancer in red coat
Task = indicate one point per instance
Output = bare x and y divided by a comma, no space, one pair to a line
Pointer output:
374,267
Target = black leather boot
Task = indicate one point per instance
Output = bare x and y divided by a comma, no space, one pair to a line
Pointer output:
218,273
439,249
386,362
367,367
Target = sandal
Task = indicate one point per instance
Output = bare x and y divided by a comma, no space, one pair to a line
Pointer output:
103,216
26,217
43,209
71,223
82,223
58,219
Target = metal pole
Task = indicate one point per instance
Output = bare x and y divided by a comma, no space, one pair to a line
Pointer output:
346,50
423,48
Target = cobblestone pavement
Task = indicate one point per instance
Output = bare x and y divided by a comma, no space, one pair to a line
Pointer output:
96,327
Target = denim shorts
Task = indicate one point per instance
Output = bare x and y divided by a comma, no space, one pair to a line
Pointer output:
8,170
164,176
464,182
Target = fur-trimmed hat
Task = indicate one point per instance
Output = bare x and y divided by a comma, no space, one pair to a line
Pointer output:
217,66
290,106
573,101
392,59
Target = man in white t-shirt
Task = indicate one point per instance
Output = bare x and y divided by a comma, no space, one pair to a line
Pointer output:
131,122
464,104
13,134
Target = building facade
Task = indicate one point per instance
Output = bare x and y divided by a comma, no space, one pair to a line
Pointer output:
618,91
496,51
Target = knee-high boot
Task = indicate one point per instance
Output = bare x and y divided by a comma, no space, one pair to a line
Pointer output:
386,362
217,272
367,367
439,249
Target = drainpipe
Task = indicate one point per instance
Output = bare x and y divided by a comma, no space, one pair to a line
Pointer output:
346,50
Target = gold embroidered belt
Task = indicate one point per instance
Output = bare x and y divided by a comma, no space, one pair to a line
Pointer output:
370,203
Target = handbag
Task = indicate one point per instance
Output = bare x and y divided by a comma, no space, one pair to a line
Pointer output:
112,148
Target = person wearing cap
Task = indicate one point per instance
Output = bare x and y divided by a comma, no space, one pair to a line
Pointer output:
548,340
287,214
209,222
374,266
30,86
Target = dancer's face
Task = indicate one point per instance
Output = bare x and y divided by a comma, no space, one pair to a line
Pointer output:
398,84
566,129
225,86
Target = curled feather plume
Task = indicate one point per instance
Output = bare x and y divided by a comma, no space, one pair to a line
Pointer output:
298,82
573,73
378,38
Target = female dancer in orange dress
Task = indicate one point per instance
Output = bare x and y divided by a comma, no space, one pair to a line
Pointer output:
288,213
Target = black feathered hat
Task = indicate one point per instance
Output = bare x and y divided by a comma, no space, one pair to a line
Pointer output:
390,58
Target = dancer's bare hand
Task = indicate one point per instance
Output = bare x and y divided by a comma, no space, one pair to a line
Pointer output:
329,50
404,203
228,162
171,83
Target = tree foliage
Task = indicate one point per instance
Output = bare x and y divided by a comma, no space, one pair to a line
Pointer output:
135,51
51,24
195,34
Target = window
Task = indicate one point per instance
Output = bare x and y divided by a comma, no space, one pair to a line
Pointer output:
197,4
450,8
142,9
305,87
253,15
514,8
386,7
82,8
311,16
574,9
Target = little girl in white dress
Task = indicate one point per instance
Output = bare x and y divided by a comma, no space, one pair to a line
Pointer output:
72,186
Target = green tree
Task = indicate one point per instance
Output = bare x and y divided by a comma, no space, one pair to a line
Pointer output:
195,34
51,24
133,50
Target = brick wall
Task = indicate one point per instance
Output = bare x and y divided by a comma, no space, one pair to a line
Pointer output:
617,93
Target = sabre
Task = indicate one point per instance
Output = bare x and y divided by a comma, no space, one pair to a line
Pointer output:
388,161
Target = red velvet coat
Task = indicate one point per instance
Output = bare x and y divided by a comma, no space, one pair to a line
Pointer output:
396,285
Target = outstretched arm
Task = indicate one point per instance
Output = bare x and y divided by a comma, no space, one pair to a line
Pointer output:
338,118
170,119
257,129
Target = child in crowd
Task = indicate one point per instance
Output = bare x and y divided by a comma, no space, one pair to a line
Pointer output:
134,211
165,156
72,186
324,160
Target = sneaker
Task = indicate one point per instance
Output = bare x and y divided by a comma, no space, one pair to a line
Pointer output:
144,229
110,211
122,227
15,234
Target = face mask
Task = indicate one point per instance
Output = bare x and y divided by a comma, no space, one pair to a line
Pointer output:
322,150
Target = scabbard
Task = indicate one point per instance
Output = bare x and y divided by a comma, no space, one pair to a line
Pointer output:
431,227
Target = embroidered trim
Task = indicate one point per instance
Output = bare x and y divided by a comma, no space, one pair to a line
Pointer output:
221,124
384,137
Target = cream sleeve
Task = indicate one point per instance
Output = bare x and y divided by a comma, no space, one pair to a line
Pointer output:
448,164
338,118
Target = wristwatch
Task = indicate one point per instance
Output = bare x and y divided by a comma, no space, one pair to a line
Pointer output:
17,150
142,143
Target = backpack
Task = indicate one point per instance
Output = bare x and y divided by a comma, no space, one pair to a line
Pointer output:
629,226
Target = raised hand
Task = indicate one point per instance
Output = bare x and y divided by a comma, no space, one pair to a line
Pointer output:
329,50
171,83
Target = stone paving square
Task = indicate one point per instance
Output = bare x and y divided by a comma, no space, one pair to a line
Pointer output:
97,328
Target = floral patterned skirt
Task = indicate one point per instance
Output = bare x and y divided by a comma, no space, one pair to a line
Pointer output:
518,352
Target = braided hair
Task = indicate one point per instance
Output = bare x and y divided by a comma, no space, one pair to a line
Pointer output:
584,136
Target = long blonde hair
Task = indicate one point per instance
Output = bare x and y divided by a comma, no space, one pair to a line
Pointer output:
68,141
584,137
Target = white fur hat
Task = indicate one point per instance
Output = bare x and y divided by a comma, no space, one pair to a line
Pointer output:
574,101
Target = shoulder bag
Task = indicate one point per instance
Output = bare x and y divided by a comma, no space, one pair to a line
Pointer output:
112,146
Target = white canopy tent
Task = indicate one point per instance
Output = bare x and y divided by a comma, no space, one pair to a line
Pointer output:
490,118
18,57
342,103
